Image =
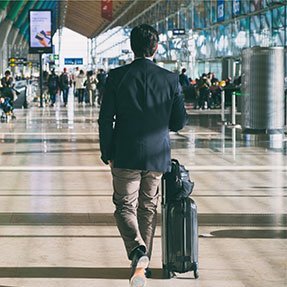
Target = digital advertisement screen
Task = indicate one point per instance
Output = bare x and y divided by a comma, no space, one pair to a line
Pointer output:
40,36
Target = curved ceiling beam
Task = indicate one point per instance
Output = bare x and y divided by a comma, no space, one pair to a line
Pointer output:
6,25
38,5
26,23
22,20
46,4
24,14
4,4
14,10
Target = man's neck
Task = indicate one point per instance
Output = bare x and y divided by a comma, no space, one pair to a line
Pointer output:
148,58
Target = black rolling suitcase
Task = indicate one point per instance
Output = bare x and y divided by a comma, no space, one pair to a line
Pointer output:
179,233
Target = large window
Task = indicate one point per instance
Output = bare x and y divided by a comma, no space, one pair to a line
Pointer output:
255,5
222,44
182,19
228,10
279,26
243,36
208,13
201,45
266,28
216,29
213,10
245,6
189,18
170,23
199,15
255,31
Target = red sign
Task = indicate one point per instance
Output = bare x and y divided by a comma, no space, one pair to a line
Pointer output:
107,9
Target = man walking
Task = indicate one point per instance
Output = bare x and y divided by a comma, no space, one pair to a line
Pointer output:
141,103
53,86
183,79
64,86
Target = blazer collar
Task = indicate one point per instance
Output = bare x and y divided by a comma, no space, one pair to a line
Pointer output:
149,60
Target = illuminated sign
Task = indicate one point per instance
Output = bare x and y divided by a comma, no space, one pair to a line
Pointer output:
17,61
178,32
73,61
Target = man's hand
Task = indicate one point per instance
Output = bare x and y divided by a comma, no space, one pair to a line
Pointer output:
110,163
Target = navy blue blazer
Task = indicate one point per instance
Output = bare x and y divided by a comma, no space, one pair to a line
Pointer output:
142,102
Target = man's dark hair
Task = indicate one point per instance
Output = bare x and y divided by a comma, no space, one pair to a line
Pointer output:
144,39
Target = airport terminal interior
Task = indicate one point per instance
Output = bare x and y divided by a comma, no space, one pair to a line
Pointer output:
57,226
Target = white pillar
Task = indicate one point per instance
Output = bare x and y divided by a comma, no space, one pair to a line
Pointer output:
5,28
13,36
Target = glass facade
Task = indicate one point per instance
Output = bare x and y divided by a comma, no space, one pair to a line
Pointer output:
239,24
221,29
218,29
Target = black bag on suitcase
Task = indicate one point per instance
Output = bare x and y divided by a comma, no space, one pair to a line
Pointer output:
179,235
178,183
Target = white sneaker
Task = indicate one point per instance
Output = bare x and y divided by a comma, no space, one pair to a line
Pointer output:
138,278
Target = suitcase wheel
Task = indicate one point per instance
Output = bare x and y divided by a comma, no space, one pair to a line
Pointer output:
196,274
167,274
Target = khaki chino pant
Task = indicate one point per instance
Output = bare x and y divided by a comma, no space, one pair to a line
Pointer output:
136,197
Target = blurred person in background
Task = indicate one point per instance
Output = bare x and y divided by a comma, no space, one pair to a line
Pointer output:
53,86
64,85
80,86
91,83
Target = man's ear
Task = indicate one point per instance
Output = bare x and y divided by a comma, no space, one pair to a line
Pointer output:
156,47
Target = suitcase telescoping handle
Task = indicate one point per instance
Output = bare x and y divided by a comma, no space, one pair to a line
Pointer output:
164,225
163,191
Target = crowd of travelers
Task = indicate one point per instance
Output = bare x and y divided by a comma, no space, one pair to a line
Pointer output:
205,92
87,86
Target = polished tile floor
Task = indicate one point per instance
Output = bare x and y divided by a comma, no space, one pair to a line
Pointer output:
56,222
